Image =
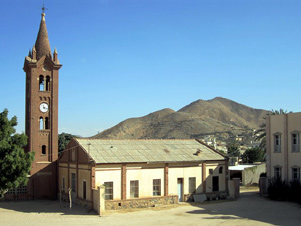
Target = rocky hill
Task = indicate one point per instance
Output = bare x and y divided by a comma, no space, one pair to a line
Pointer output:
195,120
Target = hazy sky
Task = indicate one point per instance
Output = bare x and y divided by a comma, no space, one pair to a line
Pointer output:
128,58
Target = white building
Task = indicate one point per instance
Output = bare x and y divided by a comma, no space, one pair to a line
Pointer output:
141,172
283,146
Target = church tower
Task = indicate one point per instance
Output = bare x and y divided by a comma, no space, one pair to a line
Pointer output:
41,125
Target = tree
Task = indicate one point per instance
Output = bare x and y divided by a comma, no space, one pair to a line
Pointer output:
253,155
260,134
64,139
233,149
15,164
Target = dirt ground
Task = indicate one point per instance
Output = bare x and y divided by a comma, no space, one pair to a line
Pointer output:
250,209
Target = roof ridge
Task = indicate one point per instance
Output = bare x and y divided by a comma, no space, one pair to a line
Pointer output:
85,138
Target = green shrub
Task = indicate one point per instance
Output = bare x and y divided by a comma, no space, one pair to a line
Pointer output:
282,191
294,193
278,189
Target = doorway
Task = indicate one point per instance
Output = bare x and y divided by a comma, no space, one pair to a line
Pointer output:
215,183
180,189
84,190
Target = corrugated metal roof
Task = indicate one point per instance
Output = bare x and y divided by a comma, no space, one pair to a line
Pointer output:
150,151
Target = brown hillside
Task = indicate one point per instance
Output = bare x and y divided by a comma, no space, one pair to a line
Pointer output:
196,119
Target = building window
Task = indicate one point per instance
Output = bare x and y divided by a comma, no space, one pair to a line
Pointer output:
41,123
278,172
108,190
295,142
296,173
43,149
192,185
277,143
73,182
46,123
48,83
134,189
41,83
210,171
220,170
157,187
84,189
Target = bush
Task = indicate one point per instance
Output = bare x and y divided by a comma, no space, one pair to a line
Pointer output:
282,191
278,189
263,175
294,193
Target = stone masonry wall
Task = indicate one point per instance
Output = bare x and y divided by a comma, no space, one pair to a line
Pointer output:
140,203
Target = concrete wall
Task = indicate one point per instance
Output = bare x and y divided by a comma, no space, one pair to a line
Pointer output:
222,176
82,174
99,200
109,173
140,203
176,172
146,173
234,188
251,175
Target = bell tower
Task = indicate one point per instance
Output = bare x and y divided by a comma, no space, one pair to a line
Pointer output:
41,115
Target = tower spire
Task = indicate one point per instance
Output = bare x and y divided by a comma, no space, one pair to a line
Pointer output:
42,43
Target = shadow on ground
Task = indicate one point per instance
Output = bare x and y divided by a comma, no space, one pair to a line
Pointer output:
253,207
45,206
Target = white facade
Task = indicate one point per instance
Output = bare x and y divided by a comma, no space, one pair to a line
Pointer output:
283,146
80,171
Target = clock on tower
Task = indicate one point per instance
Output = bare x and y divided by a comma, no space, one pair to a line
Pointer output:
41,127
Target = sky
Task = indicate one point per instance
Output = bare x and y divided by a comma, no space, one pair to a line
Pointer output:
128,58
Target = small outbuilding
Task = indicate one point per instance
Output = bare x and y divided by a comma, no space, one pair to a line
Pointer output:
141,172
248,174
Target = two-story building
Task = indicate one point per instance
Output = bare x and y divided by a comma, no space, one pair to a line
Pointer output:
283,146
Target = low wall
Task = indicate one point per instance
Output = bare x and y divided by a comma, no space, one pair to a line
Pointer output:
251,175
140,203
99,200
234,190
96,200
263,186
209,196
16,197
82,202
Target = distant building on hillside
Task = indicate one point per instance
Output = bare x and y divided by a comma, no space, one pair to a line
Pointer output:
283,146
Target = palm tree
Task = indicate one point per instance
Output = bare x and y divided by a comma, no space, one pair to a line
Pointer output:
260,134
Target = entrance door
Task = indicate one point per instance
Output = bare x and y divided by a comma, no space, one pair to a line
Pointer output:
215,184
180,189
73,187
84,190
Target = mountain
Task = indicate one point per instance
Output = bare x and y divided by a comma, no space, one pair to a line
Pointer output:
197,119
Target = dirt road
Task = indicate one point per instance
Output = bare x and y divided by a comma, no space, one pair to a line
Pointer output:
250,209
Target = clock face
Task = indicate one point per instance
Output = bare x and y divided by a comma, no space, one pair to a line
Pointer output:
44,107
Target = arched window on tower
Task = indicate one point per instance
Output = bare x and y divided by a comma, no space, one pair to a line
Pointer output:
41,123
44,150
46,123
48,83
41,83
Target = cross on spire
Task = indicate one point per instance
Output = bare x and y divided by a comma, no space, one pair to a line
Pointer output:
43,8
